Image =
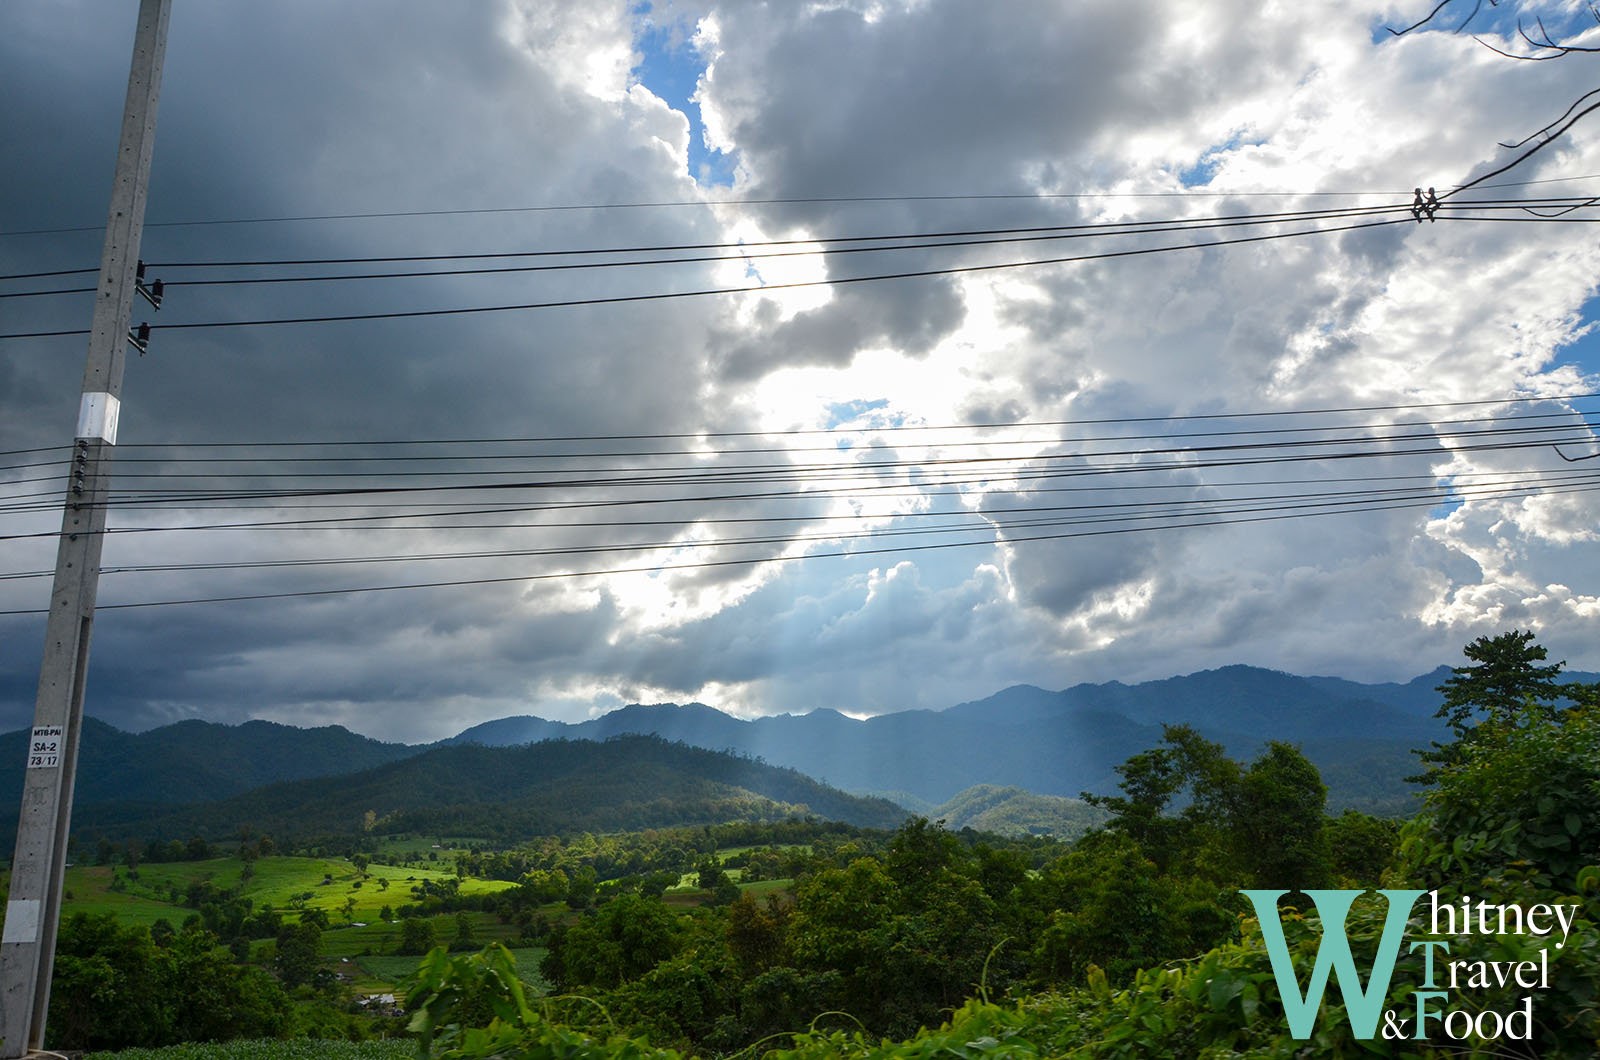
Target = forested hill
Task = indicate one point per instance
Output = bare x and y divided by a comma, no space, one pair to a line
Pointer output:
192,761
1052,743
625,784
1062,743
1065,742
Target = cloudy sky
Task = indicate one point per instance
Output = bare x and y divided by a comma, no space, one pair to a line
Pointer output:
1101,448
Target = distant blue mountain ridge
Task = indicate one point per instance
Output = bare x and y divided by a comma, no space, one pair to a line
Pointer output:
1059,743
1051,743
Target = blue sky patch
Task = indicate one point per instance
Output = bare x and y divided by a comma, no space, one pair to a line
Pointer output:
1482,18
1440,511
671,68
1583,354
842,412
1205,167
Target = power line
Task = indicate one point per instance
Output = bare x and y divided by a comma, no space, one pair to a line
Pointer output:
1108,227
1548,434
747,252
801,201
459,509
1516,399
345,458
1266,439
753,561
788,493
752,249
989,519
817,200
797,285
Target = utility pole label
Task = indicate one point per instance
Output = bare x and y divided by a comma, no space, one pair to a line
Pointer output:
98,414
22,920
44,750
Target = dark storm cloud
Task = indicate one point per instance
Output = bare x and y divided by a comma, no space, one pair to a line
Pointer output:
270,111
915,318
306,108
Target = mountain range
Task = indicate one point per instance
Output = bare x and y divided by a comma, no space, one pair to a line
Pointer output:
1059,743
1046,743
628,783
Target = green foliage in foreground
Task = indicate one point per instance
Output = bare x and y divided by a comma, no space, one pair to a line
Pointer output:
1515,820
114,985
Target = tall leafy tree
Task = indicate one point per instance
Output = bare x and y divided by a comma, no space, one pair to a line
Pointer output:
1507,679
1277,820
1186,764
114,988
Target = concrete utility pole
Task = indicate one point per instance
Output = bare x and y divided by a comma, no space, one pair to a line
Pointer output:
33,910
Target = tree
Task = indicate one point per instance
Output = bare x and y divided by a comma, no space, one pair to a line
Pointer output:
754,934
416,936
1360,846
1505,681
465,939
1152,779
1537,45
709,871
298,948
920,858
1517,822
625,939
114,988
1277,820
581,887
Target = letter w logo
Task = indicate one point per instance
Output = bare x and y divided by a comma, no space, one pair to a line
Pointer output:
1363,1006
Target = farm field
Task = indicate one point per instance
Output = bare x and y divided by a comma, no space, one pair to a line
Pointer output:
394,968
286,883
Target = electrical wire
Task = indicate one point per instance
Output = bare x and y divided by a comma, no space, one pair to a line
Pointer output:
751,252
811,200
847,489
705,292
413,509
1276,515
887,429
989,519
857,470
415,458
1437,427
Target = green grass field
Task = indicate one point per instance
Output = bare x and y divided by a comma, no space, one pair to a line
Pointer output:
358,944
396,849
382,936
762,888
275,881
393,969
724,853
